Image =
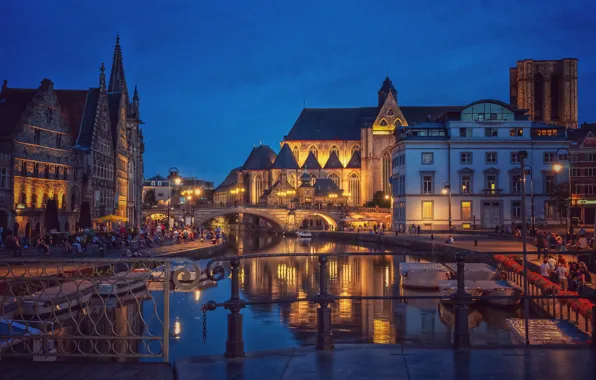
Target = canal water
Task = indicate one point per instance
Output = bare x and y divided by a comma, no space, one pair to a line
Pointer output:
278,326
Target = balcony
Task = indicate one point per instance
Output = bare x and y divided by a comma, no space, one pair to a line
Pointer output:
492,191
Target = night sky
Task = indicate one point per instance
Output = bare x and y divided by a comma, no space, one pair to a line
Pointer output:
217,77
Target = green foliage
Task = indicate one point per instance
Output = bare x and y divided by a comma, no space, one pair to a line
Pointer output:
150,199
379,200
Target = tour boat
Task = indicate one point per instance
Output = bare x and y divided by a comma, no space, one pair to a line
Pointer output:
545,331
56,299
449,287
122,283
476,271
19,338
422,275
304,234
499,288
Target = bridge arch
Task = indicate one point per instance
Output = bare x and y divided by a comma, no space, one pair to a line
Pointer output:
327,218
277,223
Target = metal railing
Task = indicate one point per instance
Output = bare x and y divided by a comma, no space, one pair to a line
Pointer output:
95,308
460,298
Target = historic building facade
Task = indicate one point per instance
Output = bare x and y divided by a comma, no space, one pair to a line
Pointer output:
583,172
547,89
70,146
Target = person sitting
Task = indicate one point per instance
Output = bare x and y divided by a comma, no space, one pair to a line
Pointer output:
449,240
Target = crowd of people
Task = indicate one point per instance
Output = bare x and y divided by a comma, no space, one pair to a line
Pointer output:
552,242
570,276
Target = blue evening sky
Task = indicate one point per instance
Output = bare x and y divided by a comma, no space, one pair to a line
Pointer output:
217,77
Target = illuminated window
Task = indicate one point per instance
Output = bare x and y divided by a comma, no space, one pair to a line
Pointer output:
383,123
466,210
355,148
354,188
335,149
296,152
390,112
466,183
427,210
313,149
397,123
335,178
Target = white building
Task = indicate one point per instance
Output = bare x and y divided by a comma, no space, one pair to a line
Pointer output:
474,155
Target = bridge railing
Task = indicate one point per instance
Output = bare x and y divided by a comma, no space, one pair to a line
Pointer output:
271,206
90,308
534,292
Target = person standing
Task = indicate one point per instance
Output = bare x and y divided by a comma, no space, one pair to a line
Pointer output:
562,273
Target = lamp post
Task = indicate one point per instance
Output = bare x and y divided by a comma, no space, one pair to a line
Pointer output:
447,190
174,175
532,215
522,160
558,168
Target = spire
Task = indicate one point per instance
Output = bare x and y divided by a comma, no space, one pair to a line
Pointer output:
102,77
386,88
136,95
117,80
135,103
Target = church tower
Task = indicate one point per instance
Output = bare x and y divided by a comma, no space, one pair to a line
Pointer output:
117,79
386,89
547,89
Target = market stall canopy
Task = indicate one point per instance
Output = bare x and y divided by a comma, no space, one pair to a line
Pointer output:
111,218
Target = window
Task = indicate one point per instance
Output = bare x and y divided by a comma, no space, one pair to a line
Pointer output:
390,112
397,123
4,179
158,183
57,172
427,158
549,183
491,132
465,157
383,123
335,178
549,157
515,209
313,149
520,131
589,172
47,171
386,172
491,157
335,149
355,148
466,210
152,183
296,152
427,210
466,184
575,172
58,140
49,114
550,210
354,188
516,182
516,132
465,132
491,182
24,169
515,157
427,184
37,136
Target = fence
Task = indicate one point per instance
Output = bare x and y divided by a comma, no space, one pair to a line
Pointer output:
90,307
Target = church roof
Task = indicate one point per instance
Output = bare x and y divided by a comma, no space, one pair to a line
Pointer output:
388,86
157,178
305,177
346,123
354,162
333,162
325,186
230,180
85,134
285,159
72,104
13,103
260,158
311,162
114,110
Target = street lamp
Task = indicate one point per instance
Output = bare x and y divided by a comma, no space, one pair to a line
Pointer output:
447,191
558,167
532,216
522,162
174,175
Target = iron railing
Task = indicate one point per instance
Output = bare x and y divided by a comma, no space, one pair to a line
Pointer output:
460,298
102,308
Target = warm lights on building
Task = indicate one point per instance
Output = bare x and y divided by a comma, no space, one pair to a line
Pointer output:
381,331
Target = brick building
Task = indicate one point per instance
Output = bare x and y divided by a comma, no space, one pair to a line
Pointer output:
70,146
583,172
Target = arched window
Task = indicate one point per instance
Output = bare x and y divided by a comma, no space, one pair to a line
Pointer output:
386,172
34,200
314,151
383,123
335,178
397,123
390,112
354,188
292,180
296,152
313,179
258,188
335,149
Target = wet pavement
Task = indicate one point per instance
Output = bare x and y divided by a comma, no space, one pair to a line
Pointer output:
397,362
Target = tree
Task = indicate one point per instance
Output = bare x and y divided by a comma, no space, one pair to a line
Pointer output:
560,197
379,200
150,199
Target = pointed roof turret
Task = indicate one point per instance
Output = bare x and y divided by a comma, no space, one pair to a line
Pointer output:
117,80
285,159
311,162
260,158
102,77
354,162
136,95
386,88
333,162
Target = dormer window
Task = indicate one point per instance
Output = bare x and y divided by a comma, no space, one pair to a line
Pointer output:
390,112
383,123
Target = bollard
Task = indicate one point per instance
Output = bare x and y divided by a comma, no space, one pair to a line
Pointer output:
235,344
461,335
593,343
475,242
324,334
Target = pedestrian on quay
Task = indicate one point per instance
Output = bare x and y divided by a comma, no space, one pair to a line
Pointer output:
540,244
562,273
418,229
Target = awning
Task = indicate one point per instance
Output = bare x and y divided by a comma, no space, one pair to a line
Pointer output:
111,219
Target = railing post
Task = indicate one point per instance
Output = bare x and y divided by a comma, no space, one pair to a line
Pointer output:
461,335
593,344
235,344
324,334
166,312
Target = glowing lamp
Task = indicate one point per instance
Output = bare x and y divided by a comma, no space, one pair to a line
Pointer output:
177,181
443,191
557,167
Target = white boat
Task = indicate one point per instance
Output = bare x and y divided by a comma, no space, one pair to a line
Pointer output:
304,234
20,339
422,275
499,288
449,287
545,331
122,283
57,299
476,271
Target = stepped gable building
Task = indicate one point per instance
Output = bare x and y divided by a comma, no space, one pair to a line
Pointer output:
70,146
547,89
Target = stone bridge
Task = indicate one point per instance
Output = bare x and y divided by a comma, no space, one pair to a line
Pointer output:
281,218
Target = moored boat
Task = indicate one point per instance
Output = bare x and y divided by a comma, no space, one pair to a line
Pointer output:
499,288
19,337
122,283
449,287
304,234
476,271
422,275
57,299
